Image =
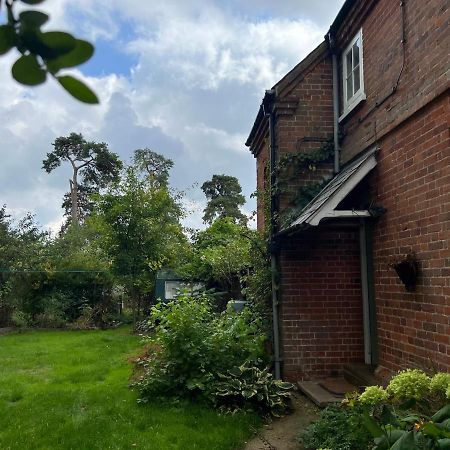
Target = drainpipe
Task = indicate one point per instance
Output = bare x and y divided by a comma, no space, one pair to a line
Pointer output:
269,112
332,43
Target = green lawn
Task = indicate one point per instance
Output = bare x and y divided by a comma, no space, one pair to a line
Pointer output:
69,390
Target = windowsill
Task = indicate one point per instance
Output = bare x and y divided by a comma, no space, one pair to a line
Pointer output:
351,106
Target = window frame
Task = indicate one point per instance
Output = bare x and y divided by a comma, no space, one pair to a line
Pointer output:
360,95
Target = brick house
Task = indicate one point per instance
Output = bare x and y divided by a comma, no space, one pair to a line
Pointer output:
377,88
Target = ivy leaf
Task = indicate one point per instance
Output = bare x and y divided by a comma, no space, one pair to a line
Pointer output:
82,52
26,70
33,19
7,38
77,89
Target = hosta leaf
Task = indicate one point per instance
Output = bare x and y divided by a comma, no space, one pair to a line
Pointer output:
372,426
442,414
406,442
7,38
77,89
444,444
26,70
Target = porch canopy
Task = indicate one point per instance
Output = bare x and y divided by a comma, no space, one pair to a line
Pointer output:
324,205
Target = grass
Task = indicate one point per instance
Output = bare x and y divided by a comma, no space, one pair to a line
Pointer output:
69,390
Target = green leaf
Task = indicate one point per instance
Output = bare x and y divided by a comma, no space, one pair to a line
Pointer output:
32,2
33,19
373,428
435,430
7,38
82,52
442,414
59,42
77,89
444,444
406,442
26,70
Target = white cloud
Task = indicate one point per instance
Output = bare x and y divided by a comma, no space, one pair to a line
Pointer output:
202,68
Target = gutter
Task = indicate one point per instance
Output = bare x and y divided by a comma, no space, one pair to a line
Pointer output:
332,44
268,110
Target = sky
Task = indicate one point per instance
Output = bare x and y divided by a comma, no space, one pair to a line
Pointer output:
184,78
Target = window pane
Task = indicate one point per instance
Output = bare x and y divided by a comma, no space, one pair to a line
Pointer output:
349,87
356,78
356,53
348,59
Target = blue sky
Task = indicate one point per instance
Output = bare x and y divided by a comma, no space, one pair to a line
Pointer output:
184,78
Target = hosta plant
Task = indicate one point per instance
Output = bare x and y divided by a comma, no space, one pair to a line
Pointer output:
249,386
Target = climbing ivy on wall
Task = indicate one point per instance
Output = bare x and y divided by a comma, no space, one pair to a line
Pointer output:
293,166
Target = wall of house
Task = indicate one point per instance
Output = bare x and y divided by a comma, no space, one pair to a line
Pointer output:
306,127
425,72
321,307
412,181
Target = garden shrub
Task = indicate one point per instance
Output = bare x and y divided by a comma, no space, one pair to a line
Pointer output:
440,383
409,384
404,416
192,345
338,428
373,395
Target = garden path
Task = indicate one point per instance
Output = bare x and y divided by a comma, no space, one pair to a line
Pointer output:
281,434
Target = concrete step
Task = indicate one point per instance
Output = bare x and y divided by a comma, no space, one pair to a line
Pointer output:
319,393
361,375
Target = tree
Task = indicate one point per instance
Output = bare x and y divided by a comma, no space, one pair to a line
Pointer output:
93,161
43,54
224,195
141,232
155,166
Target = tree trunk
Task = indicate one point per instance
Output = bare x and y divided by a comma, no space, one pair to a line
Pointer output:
74,197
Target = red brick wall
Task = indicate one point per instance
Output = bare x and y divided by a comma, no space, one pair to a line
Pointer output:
425,71
412,181
321,306
313,118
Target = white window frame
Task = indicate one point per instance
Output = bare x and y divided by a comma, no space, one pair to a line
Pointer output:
360,95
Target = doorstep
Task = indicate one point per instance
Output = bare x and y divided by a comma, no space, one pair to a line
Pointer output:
327,391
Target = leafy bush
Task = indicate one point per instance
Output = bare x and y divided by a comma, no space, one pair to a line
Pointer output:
248,386
409,384
440,383
338,428
402,418
373,395
192,344
403,430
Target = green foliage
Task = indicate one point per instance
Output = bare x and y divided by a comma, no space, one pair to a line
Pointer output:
338,428
192,345
294,165
94,167
43,53
220,257
139,230
250,387
440,383
224,195
373,395
410,383
155,166
401,417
